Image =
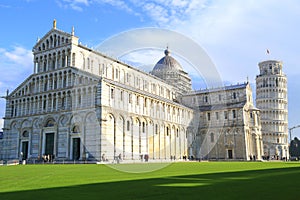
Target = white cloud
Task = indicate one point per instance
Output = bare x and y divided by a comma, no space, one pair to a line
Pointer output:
79,5
73,4
188,50
16,64
116,3
167,12
234,33
18,55
157,12
147,58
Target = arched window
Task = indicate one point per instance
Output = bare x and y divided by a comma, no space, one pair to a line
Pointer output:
63,100
143,127
212,138
75,129
233,113
73,59
129,98
137,100
128,125
25,134
50,123
208,116
117,74
112,93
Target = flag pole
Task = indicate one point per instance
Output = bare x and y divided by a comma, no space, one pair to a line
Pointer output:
268,54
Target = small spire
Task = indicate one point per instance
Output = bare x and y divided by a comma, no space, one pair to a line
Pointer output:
7,92
54,23
37,39
247,79
73,30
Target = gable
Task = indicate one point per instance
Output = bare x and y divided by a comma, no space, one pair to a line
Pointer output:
28,86
54,38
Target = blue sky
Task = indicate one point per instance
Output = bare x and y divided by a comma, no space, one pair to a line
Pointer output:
235,34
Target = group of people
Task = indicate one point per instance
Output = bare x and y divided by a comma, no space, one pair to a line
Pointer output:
252,157
47,158
143,157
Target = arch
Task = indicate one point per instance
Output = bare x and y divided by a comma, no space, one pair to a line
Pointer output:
25,134
128,137
168,130
75,129
110,149
120,137
128,124
36,123
90,117
75,119
14,126
26,123
143,127
63,120
49,122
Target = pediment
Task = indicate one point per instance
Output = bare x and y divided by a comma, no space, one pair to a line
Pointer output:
26,88
23,89
53,38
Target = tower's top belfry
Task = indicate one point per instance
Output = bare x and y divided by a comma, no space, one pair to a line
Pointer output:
270,67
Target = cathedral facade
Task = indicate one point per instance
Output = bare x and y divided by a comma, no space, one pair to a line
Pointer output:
82,105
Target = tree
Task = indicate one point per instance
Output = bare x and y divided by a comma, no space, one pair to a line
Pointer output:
295,148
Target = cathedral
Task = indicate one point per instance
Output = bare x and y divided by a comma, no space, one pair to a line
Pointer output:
81,105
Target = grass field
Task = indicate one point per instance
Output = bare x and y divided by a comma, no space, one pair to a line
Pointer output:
187,180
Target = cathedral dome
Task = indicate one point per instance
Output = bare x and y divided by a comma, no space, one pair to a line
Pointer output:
169,70
167,63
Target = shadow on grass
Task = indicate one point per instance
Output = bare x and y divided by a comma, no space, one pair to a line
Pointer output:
256,184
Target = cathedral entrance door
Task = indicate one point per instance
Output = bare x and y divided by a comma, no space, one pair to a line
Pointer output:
49,147
230,154
76,148
24,150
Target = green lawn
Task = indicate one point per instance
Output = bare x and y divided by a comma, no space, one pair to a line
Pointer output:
188,180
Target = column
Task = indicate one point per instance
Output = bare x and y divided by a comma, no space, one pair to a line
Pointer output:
66,61
41,84
67,79
47,64
56,103
55,62
48,83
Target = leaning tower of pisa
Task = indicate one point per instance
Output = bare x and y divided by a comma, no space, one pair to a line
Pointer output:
271,99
